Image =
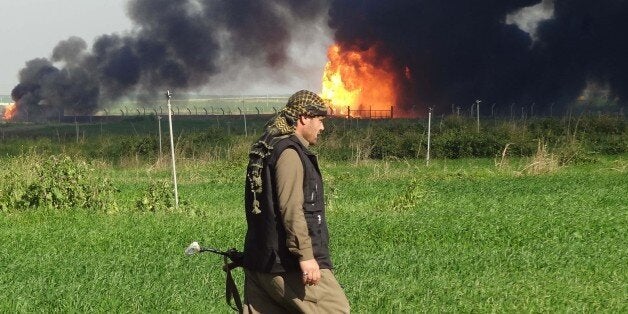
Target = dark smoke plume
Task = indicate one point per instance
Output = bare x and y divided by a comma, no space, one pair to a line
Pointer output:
460,50
456,51
175,45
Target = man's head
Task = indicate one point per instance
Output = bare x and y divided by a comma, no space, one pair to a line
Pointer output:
300,108
306,103
309,110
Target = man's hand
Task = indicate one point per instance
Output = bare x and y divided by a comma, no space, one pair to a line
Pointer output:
311,272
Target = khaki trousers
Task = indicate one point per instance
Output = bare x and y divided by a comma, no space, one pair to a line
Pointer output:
285,293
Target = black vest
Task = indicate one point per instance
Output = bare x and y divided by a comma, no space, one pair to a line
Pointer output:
265,247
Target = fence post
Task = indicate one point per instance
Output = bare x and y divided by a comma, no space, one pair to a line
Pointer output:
246,133
477,109
160,146
429,135
174,170
532,110
512,117
551,109
77,129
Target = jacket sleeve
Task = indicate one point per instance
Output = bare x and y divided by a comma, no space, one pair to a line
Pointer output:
289,179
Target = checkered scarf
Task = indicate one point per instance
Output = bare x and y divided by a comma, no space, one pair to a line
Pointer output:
282,125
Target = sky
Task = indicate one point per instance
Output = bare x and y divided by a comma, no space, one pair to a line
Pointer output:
32,28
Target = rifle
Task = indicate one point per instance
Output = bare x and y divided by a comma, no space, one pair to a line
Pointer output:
233,255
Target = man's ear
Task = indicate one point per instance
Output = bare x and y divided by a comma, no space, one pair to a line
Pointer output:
302,119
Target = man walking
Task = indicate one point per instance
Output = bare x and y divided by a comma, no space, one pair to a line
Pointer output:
287,264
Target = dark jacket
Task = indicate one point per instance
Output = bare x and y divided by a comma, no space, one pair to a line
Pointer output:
265,247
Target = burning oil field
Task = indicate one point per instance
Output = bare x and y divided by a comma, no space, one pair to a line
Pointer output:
409,55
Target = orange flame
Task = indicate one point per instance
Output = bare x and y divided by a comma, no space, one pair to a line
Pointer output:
10,111
352,80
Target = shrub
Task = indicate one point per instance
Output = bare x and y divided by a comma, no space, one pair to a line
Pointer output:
158,198
468,144
117,147
385,144
57,183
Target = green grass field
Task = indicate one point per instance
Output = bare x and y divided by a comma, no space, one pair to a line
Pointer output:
457,236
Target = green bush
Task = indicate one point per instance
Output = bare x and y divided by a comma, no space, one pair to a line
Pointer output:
198,143
56,183
116,147
468,144
159,198
386,143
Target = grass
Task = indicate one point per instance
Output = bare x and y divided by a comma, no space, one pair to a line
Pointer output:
457,236
473,242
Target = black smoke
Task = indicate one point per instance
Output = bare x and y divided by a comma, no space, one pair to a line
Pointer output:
177,45
460,50
457,51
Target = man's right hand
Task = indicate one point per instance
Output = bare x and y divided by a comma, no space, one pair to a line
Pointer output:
311,272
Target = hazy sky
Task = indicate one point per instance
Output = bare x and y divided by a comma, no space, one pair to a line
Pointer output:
31,29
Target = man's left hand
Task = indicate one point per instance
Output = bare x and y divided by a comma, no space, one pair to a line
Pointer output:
311,272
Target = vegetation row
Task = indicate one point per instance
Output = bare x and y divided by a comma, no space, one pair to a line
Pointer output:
573,139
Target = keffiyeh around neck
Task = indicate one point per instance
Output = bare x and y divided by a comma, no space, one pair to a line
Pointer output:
282,125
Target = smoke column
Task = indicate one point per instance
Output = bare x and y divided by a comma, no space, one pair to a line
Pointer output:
178,45
447,52
458,51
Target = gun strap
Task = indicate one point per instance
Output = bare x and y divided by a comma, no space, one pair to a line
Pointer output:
231,290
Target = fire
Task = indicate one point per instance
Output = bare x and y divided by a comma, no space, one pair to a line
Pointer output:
360,81
10,111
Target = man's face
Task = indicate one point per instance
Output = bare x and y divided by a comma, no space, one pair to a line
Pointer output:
311,127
